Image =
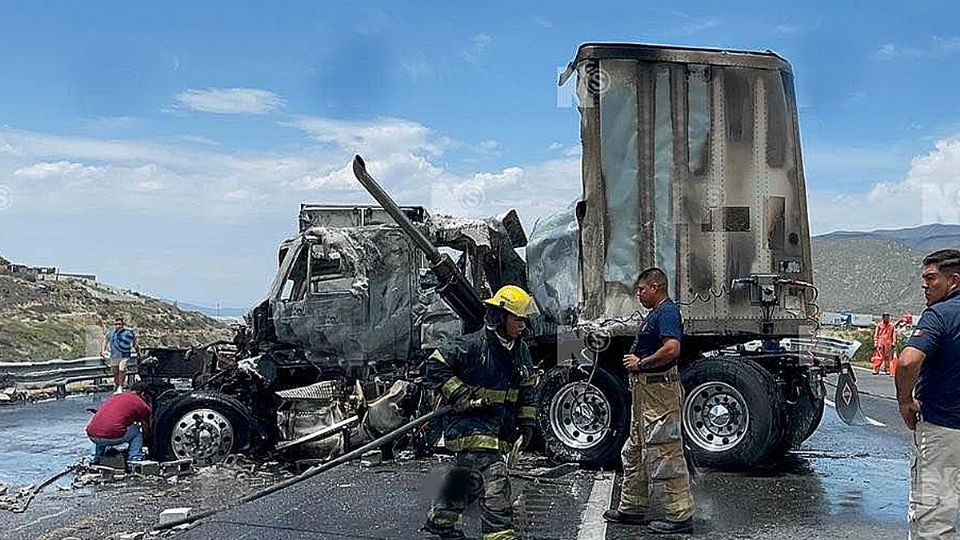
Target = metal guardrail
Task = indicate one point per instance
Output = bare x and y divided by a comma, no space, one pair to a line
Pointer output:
54,373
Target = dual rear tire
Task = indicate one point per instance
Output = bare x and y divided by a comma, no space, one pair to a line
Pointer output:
734,415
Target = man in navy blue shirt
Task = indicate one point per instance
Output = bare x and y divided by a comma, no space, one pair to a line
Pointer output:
653,462
928,391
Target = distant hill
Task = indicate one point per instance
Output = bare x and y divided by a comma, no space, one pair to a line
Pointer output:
867,275
876,271
925,238
215,312
42,320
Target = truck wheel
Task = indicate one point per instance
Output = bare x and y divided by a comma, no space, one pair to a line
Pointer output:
205,430
733,415
581,422
803,418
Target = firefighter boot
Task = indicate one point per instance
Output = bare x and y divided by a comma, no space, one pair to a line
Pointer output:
443,533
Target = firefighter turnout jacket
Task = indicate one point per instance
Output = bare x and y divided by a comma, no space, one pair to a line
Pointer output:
495,371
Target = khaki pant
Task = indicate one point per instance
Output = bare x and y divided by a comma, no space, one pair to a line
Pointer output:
934,483
477,474
654,470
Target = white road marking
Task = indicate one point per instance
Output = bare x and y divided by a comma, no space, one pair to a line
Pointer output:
870,421
592,524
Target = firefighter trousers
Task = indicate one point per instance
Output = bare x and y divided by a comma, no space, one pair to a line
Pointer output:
477,474
934,504
654,469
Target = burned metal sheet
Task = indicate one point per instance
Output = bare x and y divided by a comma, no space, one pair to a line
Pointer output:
343,300
552,260
691,163
355,292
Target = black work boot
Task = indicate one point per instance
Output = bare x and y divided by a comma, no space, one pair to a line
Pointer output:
444,533
666,526
626,518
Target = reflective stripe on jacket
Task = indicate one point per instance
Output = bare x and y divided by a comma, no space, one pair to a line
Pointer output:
504,378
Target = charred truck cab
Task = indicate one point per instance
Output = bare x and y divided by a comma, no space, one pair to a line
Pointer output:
691,163
353,310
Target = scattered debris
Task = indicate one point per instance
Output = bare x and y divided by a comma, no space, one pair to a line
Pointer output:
372,458
19,501
174,514
828,455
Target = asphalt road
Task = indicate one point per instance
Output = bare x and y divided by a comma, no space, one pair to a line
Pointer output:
847,482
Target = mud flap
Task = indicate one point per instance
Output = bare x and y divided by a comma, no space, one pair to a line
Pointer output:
847,399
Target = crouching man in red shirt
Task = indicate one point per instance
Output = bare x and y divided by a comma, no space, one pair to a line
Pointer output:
116,423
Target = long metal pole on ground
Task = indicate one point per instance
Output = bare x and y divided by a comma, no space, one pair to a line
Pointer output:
313,471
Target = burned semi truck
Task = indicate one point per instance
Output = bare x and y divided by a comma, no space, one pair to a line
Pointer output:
691,162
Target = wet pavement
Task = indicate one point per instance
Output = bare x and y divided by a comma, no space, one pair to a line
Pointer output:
39,439
846,482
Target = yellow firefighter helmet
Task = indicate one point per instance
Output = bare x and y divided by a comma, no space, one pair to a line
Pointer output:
513,299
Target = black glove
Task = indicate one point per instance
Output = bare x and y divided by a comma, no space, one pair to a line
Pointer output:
468,399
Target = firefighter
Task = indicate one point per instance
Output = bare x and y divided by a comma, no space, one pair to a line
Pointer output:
654,469
883,340
489,379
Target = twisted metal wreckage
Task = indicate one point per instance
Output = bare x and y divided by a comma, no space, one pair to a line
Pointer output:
691,162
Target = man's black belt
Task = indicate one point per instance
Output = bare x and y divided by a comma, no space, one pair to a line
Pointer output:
656,378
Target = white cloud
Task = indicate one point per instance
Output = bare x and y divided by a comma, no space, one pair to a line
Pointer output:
575,150
112,123
929,193
542,22
937,48
202,202
149,185
482,41
417,68
554,146
479,44
384,135
187,182
43,170
230,100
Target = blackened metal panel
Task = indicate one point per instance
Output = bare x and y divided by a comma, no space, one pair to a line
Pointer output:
718,183
679,89
592,244
695,188
623,173
797,223
665,233
739,180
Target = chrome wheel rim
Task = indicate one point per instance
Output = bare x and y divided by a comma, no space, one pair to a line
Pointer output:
579,415
715,416
205,435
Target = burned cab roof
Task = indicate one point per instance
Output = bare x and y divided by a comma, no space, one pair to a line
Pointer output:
353,215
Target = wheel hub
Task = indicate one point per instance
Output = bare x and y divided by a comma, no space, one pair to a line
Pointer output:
579,415
719,415
205,435
715,416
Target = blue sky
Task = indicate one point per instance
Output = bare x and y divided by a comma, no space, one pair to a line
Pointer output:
166,147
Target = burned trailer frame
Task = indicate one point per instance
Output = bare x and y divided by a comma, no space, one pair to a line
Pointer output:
349,318
691,163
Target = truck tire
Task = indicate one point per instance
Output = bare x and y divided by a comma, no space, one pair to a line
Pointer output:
733,414
581,422
205,429
803,418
